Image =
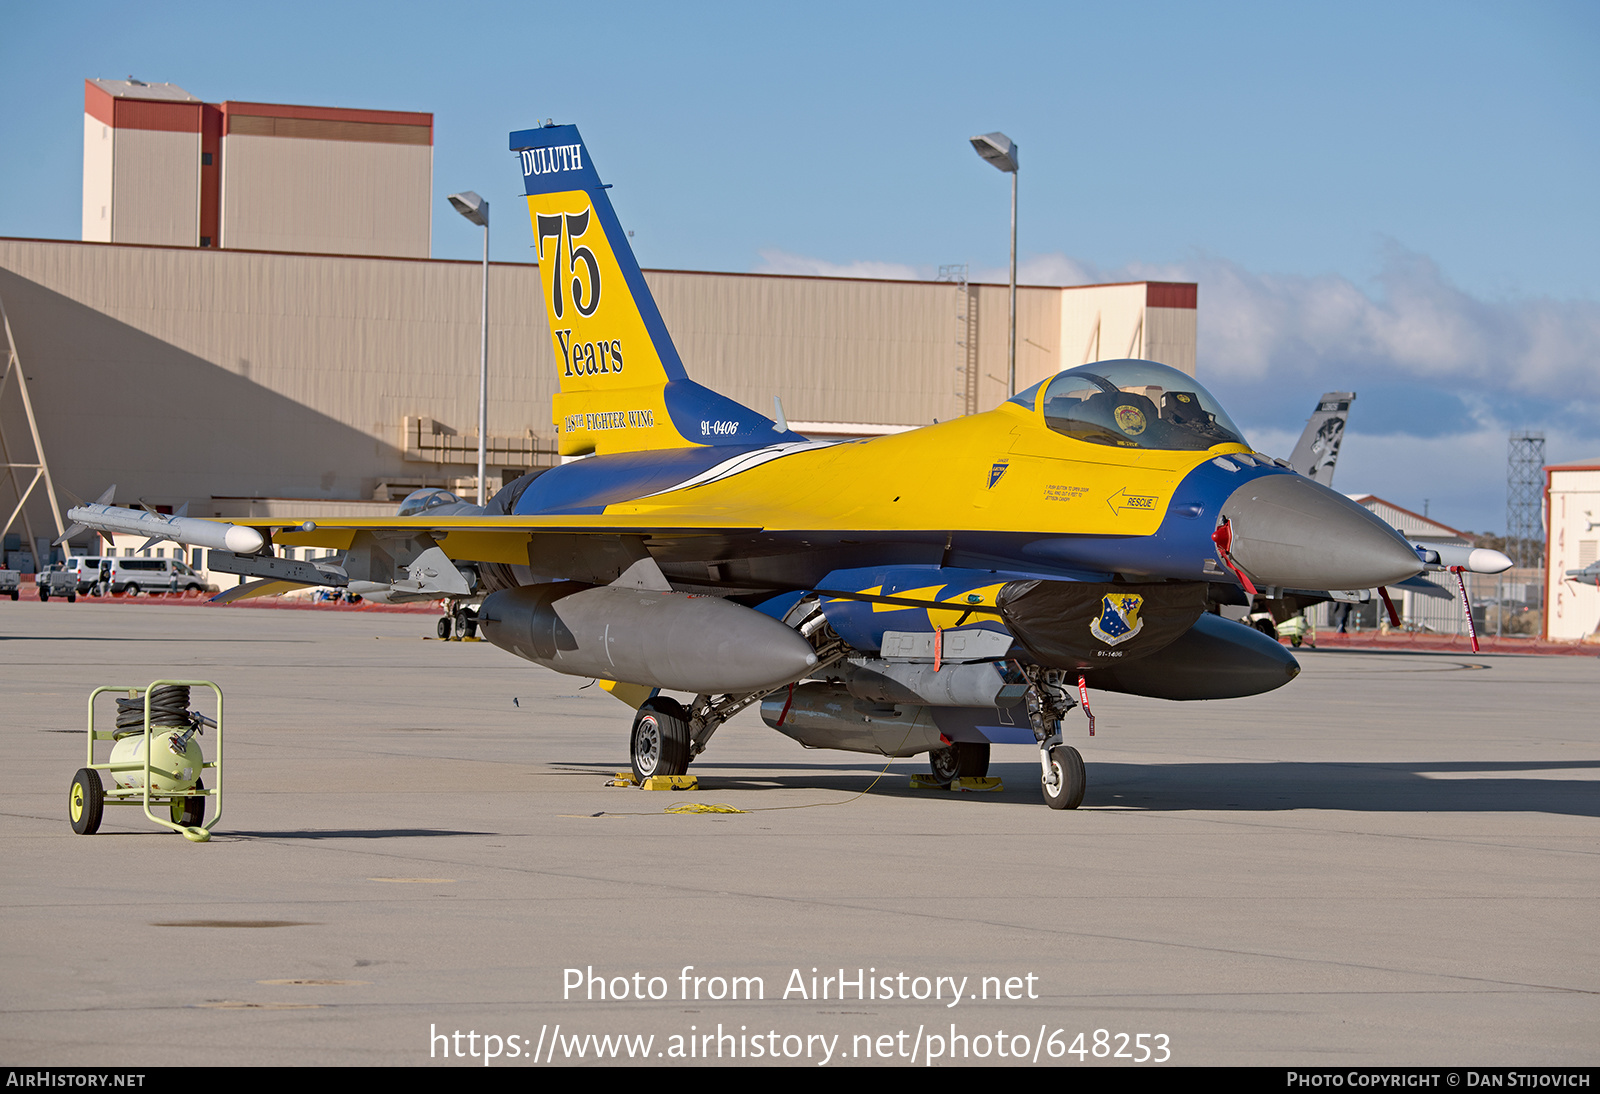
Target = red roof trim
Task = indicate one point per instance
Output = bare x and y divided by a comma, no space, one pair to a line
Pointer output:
159,115
1171,294
329,114
97,103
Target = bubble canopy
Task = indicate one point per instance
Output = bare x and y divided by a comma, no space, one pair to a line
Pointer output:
420,501
1132,404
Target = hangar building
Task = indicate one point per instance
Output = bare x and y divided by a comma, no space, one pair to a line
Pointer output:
1572,528
160,166
211,341
208,376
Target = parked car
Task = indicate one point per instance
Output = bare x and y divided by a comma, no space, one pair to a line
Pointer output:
136,575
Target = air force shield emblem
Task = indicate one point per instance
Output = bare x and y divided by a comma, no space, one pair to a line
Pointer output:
1119,618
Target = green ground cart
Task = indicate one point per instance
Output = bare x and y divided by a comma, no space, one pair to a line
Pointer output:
155,760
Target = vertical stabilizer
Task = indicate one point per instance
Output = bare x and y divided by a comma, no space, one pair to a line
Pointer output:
1318,448
623,387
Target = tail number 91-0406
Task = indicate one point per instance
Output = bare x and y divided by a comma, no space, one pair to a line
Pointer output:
566,228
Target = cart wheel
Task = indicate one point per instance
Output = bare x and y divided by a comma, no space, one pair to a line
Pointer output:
44,594
86,801
190,812
72,598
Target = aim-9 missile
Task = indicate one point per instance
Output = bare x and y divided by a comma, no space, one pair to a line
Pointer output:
1475,560
192,531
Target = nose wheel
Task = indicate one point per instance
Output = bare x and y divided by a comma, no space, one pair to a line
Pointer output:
1061,774
1064,779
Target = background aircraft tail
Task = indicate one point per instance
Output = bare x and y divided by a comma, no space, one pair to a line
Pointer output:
623,387
1318,448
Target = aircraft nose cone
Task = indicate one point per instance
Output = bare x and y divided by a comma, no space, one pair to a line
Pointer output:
1292,532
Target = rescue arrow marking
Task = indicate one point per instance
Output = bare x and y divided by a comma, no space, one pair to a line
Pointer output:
1144,503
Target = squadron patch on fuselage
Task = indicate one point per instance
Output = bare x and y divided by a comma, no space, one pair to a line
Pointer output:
1119,618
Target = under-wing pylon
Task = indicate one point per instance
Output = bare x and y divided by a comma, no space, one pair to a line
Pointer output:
941,590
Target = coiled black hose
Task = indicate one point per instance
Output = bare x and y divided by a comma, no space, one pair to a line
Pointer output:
169,706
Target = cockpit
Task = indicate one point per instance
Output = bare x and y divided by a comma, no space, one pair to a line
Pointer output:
429,497
1132,404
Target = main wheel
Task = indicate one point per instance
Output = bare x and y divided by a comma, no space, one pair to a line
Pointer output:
660,741
443,628
86,801
1067,766
962,760
945,765
1266,627
190,812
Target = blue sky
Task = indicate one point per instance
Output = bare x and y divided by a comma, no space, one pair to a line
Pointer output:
1397,199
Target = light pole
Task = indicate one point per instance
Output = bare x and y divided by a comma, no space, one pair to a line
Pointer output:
999,150
475,209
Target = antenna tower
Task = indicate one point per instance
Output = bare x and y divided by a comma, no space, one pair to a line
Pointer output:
1525,498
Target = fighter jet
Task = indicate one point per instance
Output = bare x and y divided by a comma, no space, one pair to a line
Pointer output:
1317,451
940,590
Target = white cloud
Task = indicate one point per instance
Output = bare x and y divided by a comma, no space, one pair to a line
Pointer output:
1413,325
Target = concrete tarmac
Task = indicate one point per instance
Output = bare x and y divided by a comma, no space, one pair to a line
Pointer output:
1393,860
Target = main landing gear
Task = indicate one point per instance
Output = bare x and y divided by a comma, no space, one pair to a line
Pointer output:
1061,773
962,760
461,623
659,744
667,736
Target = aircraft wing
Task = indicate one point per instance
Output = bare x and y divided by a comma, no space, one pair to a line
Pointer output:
504,539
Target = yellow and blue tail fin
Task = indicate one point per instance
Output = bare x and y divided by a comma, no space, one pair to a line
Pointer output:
623,387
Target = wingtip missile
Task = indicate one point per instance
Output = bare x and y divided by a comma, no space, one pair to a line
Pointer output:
1474,560
191,531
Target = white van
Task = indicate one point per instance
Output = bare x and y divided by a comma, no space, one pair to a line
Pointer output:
136,575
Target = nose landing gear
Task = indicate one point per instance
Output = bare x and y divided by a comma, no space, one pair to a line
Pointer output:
1062,778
